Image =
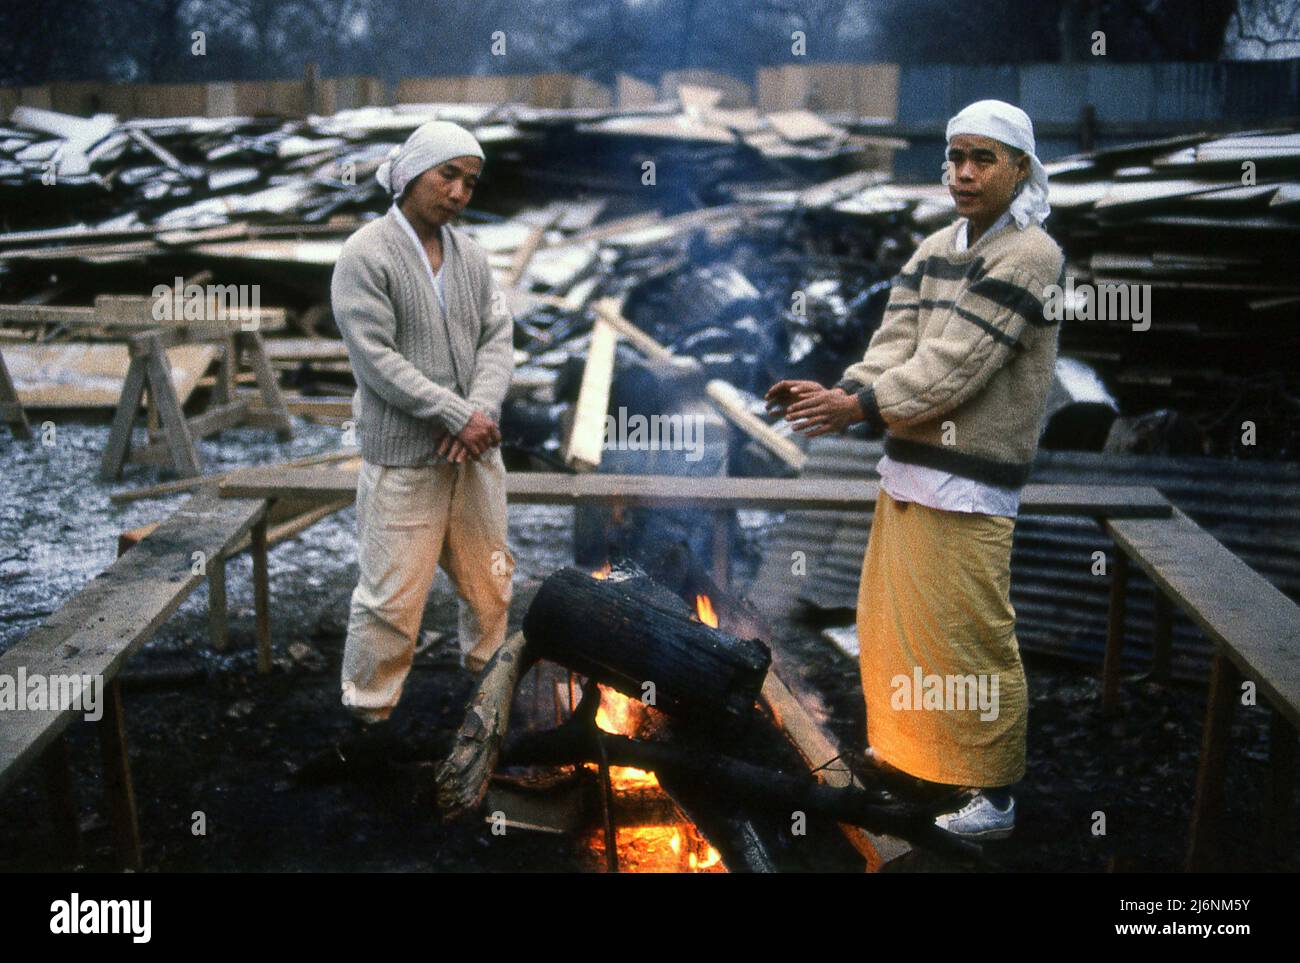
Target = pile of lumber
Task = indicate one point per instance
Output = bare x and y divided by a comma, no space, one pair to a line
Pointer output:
1210,224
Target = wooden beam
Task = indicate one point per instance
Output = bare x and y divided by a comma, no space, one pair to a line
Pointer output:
261,595
138,311
587,437
731,405
525,253
25,314
119,435
162,391
185,484
218,616
1280,824
813,494
1207,809
819,752
251,345
721,394
1116,616
56,772
11,408
1254,624
98,629
118,788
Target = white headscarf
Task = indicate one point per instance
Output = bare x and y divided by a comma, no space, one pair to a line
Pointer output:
428,146
1012,126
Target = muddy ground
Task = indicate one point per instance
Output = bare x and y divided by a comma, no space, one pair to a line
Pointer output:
209,735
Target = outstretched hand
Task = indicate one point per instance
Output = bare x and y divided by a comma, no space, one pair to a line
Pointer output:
785,393
815,410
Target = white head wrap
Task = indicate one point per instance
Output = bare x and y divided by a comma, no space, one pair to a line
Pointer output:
428,146
1012,126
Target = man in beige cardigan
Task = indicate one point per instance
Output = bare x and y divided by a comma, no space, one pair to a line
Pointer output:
957,376
431,345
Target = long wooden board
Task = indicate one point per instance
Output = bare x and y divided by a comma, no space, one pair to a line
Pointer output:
819,752
121,608
1256,625
825,494
80,375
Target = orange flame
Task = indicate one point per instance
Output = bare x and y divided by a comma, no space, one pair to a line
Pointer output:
603,571
704,609
622,716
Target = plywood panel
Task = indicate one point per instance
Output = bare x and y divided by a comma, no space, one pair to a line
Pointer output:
91,375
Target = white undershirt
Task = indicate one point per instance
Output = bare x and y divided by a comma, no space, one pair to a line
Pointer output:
940,489
434,279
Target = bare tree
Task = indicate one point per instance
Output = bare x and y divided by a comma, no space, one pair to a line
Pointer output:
1272,24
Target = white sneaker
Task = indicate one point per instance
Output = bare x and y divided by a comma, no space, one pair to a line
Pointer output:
980,819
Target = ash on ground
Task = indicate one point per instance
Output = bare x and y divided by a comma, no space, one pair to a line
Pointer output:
215,746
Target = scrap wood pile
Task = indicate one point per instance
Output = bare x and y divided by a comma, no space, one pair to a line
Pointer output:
756,254
1212,225
112,175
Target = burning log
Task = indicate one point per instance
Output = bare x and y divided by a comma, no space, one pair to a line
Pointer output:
732,781
645,642
462,778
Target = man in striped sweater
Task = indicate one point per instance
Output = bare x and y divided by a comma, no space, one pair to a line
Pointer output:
957,377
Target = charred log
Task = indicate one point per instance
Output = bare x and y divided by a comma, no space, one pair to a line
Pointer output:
733,781
462,778
644,641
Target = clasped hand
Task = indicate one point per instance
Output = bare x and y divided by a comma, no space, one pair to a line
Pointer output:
479,434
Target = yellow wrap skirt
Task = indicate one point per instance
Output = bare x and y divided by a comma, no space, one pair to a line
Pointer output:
941,671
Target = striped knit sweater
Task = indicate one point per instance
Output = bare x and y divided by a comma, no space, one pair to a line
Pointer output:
959,371
421,370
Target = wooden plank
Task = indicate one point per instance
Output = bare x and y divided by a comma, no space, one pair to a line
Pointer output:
97,630
327,407
609,310
218,619
1115,618
185,459
118,788
1256,625
820,752
138,311
1280,824
56,773
251,346
119,435
47,314
185,484
81,375
813,494
306,349
218,417
587,438
723,396
525,253
11,408
1207,809
261,595
731,405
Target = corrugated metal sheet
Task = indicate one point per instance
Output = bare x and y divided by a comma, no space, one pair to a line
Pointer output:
1119,93
934,92
1061,607
1268,88
1053,93
1188,92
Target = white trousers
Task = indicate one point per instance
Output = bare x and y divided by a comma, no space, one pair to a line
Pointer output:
410,520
